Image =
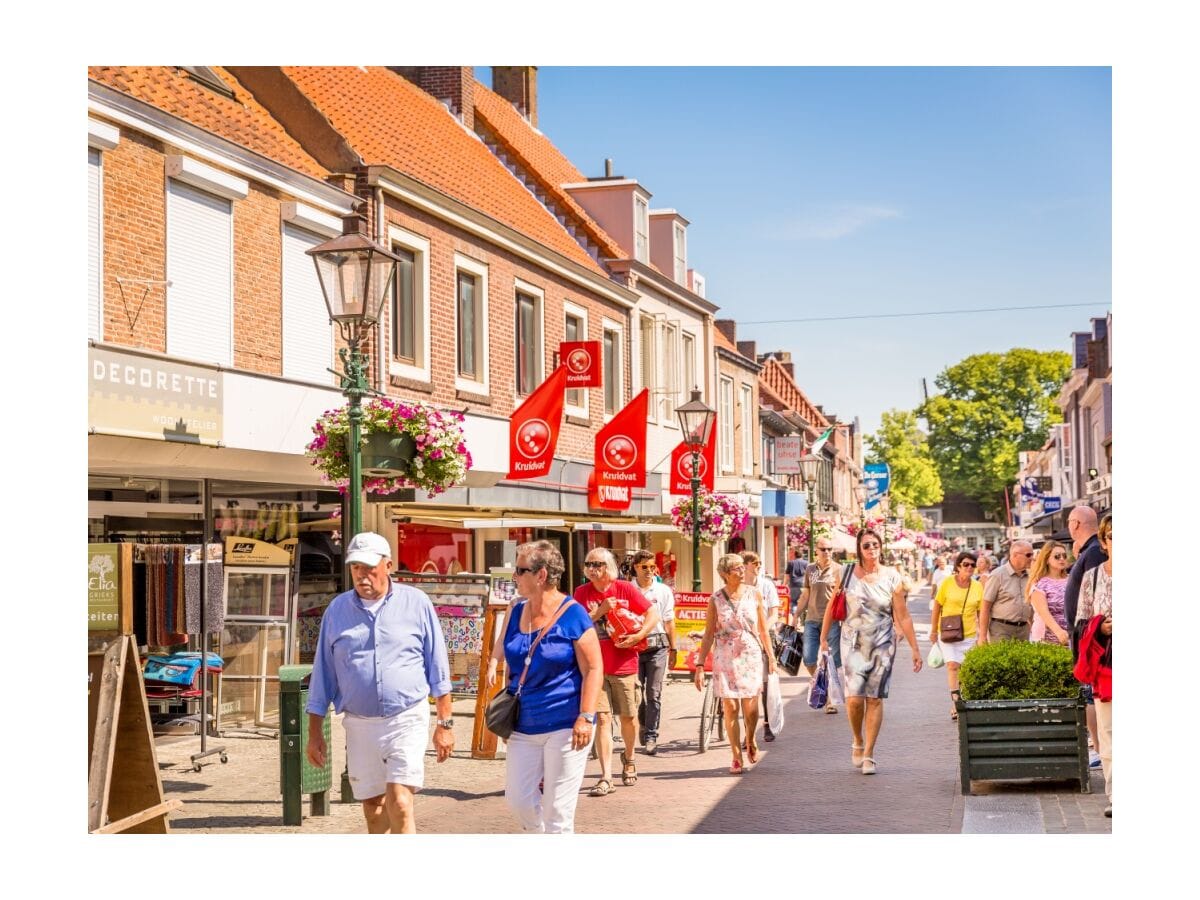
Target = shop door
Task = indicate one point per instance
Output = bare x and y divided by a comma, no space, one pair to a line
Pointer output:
256,641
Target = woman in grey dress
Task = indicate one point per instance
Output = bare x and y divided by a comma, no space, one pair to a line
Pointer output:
876,605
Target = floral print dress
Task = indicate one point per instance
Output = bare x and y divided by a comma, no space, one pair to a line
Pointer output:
737,657
868,637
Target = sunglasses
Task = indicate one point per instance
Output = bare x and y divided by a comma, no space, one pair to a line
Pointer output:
967,565
1030,553
647,568
870,546
824,549
594,564
1058,556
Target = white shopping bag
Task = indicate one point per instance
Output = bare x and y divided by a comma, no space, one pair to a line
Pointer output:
835,683
774,703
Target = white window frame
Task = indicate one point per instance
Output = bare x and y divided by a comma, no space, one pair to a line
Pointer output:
667,359
539,312
578,312
680,251
480,271
420,371
747,401
641,229
101,137
725,422
226,359
302,224
618,364
687,361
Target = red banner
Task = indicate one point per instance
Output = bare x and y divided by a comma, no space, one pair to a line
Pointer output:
620,455
533,429
690,616
681,465
608,496
582,359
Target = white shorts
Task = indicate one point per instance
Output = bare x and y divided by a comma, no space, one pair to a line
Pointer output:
387,750
954,652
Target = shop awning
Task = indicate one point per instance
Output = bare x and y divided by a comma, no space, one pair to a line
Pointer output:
843,541
528,522
624,526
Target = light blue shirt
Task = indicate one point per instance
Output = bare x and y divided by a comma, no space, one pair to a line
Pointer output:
378,664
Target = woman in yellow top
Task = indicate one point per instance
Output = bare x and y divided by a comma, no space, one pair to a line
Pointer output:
960,595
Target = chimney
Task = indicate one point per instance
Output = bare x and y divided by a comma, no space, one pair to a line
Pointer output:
608,169
727,327
748,349
451,84
518,85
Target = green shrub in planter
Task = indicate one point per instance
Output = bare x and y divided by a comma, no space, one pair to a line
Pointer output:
1017,670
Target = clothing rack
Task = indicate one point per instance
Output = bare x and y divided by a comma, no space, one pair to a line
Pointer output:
206,537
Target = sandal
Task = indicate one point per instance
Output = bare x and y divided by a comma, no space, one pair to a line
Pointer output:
628,772
856,757
602,789
868,766
752,753
737,768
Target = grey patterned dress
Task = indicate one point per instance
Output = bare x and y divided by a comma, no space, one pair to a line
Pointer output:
868,636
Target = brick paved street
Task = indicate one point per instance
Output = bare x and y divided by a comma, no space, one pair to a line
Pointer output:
804,782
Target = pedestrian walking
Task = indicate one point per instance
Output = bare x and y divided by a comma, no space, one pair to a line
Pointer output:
380,655
1047,594
769,595
654,661
957,596
983,568
944,569
599,595
548,750
821,581
795,576
1006,613
1081,525
735,630
876,605
1093,622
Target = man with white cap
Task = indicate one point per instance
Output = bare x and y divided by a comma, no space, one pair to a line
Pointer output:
380,656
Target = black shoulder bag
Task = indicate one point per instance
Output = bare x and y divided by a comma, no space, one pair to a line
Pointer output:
503,710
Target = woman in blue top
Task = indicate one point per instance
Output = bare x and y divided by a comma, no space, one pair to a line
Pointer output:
548,751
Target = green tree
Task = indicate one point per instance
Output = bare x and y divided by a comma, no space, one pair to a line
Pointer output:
991,407
901,444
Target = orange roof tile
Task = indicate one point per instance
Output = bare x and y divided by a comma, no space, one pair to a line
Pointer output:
389,121
538,156
775,378
240,119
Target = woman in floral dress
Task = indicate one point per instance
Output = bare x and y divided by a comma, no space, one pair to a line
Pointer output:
1047,589
735,629
876,605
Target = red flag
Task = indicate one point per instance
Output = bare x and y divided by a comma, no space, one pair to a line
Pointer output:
608,496
620,454
533,429
582,359
681,465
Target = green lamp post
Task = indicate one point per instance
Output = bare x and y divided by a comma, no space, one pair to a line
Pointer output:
810,470
696,420
356,275
860,493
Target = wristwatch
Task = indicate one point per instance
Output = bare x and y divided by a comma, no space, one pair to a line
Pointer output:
590,718
445,723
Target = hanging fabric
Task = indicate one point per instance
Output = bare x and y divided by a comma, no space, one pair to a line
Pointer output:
214,605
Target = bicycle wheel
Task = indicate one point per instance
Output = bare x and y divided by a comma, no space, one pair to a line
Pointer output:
719,715
707,707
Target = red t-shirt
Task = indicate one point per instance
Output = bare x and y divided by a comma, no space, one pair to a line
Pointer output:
617,661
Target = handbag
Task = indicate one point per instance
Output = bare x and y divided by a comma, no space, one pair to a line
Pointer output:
504,709
623,621
950,628
790,652
839,599
818,688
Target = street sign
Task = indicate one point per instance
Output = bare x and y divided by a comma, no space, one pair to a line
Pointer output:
877,478
787,455
1051,504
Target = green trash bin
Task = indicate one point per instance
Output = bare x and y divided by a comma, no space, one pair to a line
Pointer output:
296,774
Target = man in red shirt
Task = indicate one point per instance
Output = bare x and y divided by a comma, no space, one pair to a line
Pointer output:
602,593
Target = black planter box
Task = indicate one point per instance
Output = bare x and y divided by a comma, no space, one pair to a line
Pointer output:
1007,740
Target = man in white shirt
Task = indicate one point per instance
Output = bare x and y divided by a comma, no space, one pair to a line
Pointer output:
654,661
770,604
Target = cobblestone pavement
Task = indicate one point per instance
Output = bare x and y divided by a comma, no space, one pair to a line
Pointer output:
803,783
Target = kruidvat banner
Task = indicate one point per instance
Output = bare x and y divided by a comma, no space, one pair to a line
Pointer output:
620,454
608,496
681,465
877,477
582,359
533,429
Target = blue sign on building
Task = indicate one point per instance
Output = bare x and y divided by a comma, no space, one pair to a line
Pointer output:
877,477
1051,504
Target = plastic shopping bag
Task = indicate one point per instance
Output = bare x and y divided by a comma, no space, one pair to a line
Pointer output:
774,703
835,682
935,658
818,688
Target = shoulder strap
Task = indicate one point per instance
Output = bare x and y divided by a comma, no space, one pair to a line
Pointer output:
562,608
846,573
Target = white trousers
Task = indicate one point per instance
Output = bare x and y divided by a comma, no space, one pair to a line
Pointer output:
546,758
1104,733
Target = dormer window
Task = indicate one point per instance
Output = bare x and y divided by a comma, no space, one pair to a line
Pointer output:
208,77
641,230
680,254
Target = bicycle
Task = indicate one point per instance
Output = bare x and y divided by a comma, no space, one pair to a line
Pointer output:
710,715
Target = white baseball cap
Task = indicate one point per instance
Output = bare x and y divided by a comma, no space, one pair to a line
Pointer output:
368,548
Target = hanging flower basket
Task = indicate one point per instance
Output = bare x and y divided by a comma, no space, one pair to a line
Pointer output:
721,517
797,532
408,445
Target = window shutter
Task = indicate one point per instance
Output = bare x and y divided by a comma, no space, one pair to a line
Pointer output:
200,269
307,334
95,291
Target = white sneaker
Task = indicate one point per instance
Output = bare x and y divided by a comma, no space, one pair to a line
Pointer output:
1093,760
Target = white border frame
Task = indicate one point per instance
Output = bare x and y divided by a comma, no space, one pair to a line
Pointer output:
746,398
100,241
422,371
618,329
572,309
539,298
480,271
726,466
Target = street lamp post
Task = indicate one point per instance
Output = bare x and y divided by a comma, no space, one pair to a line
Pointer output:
696,421
355,274
885,503
810,469
860,491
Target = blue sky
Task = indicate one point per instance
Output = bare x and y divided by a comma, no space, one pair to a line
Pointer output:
820,192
